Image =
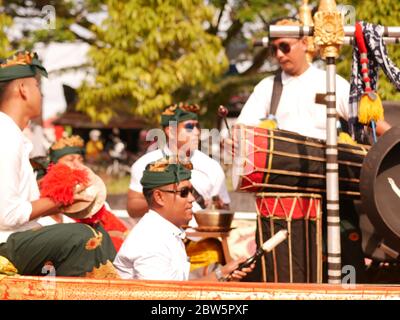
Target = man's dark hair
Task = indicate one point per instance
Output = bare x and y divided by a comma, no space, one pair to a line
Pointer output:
148,195
3,89
276,20
281,19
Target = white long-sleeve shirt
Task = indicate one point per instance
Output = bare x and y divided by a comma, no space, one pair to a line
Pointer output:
153,250
297,110
18,186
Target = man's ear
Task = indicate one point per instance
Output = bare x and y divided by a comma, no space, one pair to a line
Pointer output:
158,198
22,89
304,43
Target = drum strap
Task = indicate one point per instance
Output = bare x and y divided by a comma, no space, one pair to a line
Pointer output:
276,93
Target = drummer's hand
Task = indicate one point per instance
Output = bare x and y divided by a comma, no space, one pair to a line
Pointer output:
230,272
79,196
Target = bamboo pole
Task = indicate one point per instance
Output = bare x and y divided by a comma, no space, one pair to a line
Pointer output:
348,40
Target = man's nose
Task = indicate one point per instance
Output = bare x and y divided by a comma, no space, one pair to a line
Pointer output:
279,53
196,131
191,197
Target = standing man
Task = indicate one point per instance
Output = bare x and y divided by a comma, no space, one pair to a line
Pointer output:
72,249
295,109
154,250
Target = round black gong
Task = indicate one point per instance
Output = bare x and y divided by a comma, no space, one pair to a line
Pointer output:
380,187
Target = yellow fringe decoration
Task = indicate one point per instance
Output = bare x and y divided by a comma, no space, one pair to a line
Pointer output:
370,109
346,139
6,267
204,252
268,124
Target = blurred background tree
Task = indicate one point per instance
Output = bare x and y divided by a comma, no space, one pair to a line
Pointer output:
182,50
5,21
147,54
141,62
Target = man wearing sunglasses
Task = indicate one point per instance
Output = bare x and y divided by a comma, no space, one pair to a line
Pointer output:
296,110
154,249
291,98
181,127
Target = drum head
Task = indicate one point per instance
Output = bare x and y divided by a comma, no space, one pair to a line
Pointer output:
239,143
97,194
236,177
380,187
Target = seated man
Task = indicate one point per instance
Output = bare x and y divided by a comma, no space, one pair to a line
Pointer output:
154,250
70,151
181,127
71,249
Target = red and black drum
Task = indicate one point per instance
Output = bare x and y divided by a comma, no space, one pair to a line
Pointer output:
299,258
276,160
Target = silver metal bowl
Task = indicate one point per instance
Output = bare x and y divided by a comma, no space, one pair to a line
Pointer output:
214,218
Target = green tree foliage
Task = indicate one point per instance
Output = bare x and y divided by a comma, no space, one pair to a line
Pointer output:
68,13
150,53
5,21
384,12
247,20
149,49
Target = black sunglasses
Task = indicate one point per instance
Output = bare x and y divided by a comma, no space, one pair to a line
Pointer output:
191,125
284,47
183,193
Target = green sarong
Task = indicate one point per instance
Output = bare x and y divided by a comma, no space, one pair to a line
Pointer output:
70,249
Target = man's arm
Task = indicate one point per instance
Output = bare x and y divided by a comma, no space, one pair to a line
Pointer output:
43,207
137,205
258,104
381,127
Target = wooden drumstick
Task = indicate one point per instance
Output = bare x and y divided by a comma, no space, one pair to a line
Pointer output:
223,113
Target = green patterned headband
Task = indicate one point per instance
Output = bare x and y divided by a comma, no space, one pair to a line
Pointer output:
55,155
179,113
21,65
172,173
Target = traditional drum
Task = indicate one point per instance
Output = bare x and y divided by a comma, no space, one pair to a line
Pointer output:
277,160
299,258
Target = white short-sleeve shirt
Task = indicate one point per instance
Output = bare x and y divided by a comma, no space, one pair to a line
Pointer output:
153,250
297,110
